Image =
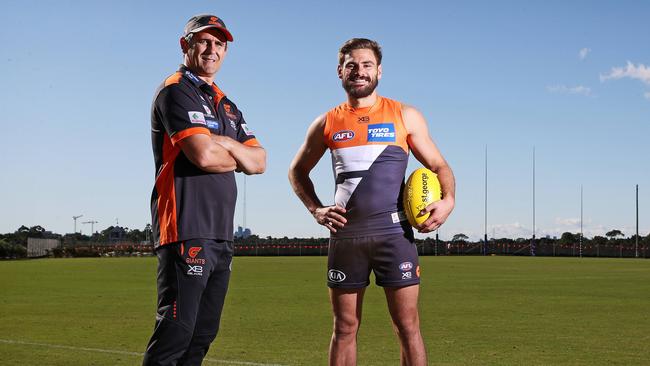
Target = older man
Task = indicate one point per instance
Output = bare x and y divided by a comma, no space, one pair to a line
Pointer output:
200,139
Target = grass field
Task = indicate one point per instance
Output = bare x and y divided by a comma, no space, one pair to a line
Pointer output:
474,310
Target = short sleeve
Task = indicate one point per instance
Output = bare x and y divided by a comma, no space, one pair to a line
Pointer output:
180,115
244,134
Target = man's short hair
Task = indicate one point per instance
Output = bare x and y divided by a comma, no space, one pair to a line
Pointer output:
359,43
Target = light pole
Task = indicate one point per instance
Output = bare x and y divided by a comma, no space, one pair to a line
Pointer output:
436,247
580,248
532,242
485,238
636,243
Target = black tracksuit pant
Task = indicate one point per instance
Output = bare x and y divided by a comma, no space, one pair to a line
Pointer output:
192,282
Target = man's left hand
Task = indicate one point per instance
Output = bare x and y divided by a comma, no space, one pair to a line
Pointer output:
439,211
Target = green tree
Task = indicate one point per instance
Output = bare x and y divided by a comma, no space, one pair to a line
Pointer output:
613,234
568,238
599,240
460,237
9,250
4,248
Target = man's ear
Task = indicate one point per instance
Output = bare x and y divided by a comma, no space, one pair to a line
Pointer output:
184,45
339,71
378,72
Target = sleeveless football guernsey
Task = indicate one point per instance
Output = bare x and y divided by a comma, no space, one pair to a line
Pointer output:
369,157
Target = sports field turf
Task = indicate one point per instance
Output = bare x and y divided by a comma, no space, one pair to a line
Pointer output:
474,310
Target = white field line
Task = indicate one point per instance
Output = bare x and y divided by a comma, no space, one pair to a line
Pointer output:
118,352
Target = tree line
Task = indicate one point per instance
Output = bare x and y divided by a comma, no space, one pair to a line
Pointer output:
14,245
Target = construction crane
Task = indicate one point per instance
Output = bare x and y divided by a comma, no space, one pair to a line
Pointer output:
92,225
75,222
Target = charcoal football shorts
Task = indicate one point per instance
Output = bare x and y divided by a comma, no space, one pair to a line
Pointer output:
393,259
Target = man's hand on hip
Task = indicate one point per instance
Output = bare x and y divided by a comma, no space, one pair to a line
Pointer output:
330,216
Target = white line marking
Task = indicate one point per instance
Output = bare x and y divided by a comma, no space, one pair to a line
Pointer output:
117,352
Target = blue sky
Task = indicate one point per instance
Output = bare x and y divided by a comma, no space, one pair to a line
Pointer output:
571,79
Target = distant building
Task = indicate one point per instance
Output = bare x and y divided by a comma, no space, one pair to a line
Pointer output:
39,247
242,233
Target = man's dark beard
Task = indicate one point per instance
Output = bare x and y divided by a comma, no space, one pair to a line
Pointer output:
360,92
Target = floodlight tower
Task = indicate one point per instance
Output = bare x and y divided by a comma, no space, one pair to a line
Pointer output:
581,234
485,244
75,222
92,225
636,240
532,242
437,239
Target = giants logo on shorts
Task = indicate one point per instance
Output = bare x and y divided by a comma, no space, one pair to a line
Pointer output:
343,136
334,275
194,251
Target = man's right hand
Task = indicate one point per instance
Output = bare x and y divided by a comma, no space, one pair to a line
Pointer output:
330,216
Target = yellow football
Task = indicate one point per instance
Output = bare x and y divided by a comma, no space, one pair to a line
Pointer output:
422,188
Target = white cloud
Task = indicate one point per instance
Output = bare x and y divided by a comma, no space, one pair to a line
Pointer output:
639,72
514,230
567,221
517,230
563,89
571,222
583,53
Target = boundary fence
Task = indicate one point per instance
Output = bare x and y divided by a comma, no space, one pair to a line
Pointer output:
319,247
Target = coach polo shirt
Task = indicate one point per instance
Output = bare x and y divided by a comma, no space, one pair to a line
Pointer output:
187,202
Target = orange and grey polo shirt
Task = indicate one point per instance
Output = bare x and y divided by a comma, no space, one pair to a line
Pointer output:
369,157
187,202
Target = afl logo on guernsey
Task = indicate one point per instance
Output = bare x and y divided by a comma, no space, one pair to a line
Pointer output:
341,136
